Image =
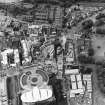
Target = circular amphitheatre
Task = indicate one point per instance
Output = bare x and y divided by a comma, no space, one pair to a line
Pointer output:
30,79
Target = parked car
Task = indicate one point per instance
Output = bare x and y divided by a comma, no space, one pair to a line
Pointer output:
100,15
99,22
100,31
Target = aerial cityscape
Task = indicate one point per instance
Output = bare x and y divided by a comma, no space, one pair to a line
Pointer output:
52,52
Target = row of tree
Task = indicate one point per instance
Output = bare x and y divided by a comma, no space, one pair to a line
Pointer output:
87,59
87,25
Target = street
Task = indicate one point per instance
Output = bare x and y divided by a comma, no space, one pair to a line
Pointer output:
12,90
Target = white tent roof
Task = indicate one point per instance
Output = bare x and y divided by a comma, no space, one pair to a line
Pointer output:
36,95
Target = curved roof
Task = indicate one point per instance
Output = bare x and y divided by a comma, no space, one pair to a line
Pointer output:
37,94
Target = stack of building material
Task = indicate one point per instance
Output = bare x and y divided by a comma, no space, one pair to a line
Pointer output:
76,83
71,71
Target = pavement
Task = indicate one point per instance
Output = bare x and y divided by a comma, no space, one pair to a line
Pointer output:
3,91
99,48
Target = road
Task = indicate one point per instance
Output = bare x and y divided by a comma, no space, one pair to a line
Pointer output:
12,89
91,4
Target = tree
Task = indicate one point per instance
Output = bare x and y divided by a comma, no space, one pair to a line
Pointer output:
103,64
90,60
99,63
64,22
66,4
100,31
82,58
87,24
87,28
90,51
86,34
100,16
88,70
50,21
